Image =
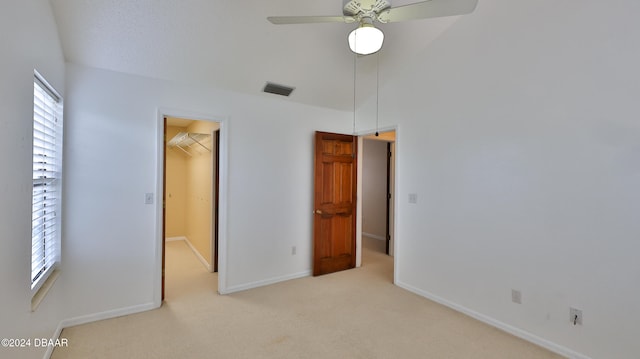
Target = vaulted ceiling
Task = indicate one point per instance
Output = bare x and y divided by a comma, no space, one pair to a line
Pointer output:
231,45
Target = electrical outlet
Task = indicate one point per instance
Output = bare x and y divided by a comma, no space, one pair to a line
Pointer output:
413,198
293,250
516,296
575,316
148,198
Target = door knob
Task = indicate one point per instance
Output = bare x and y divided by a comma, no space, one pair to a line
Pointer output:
318,211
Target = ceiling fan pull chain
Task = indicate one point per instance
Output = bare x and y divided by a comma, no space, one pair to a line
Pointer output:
377,89
355,57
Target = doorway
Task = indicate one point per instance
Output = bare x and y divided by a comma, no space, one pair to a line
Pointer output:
190,189
338,223
378,193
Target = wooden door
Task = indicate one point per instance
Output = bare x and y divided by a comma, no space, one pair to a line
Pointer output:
334,232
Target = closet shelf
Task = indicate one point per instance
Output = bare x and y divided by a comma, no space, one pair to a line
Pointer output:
186,140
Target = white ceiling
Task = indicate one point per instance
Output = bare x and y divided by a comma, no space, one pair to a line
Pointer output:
231,44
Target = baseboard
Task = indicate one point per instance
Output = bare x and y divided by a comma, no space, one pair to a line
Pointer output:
171,239
556,348
56,335
193,249
262,283
107,315
94,318
198,255
369,235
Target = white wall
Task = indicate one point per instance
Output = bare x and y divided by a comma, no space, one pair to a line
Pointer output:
111,131
519,131
374,188
29,41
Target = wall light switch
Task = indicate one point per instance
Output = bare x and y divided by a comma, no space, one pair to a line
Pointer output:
413,198
148,198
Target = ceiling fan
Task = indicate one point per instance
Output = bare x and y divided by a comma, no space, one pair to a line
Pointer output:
366,38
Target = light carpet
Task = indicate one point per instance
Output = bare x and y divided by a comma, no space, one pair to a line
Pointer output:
357,313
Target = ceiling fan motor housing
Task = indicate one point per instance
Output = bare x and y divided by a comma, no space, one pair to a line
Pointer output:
365,8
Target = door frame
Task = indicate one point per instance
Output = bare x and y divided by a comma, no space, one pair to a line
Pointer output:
216,200
396,208
222,196
389,196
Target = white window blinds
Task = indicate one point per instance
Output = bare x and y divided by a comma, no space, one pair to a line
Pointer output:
47,156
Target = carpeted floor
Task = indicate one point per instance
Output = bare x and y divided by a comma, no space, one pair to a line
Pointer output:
352,314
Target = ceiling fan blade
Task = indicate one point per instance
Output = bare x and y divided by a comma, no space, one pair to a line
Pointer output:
427,9
285,20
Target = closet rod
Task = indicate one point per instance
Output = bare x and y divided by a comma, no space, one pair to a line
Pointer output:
198,142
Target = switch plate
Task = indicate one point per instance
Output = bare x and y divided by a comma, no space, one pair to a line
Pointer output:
413,198
293,250
148,198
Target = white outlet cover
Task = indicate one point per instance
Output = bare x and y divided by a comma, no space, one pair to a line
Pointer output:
573,312
516,296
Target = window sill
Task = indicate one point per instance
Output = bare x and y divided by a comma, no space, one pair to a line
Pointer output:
42,292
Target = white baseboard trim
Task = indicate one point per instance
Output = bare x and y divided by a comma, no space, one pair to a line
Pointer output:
171,239
56,335
107,315
95,317
261,283
198,255
193,249
556,348
373,236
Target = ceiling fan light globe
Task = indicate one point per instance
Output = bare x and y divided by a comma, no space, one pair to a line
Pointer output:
366,39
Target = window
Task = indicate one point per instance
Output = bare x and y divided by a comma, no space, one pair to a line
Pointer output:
47,165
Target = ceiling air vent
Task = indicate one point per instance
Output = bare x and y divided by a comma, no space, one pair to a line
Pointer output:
276,89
